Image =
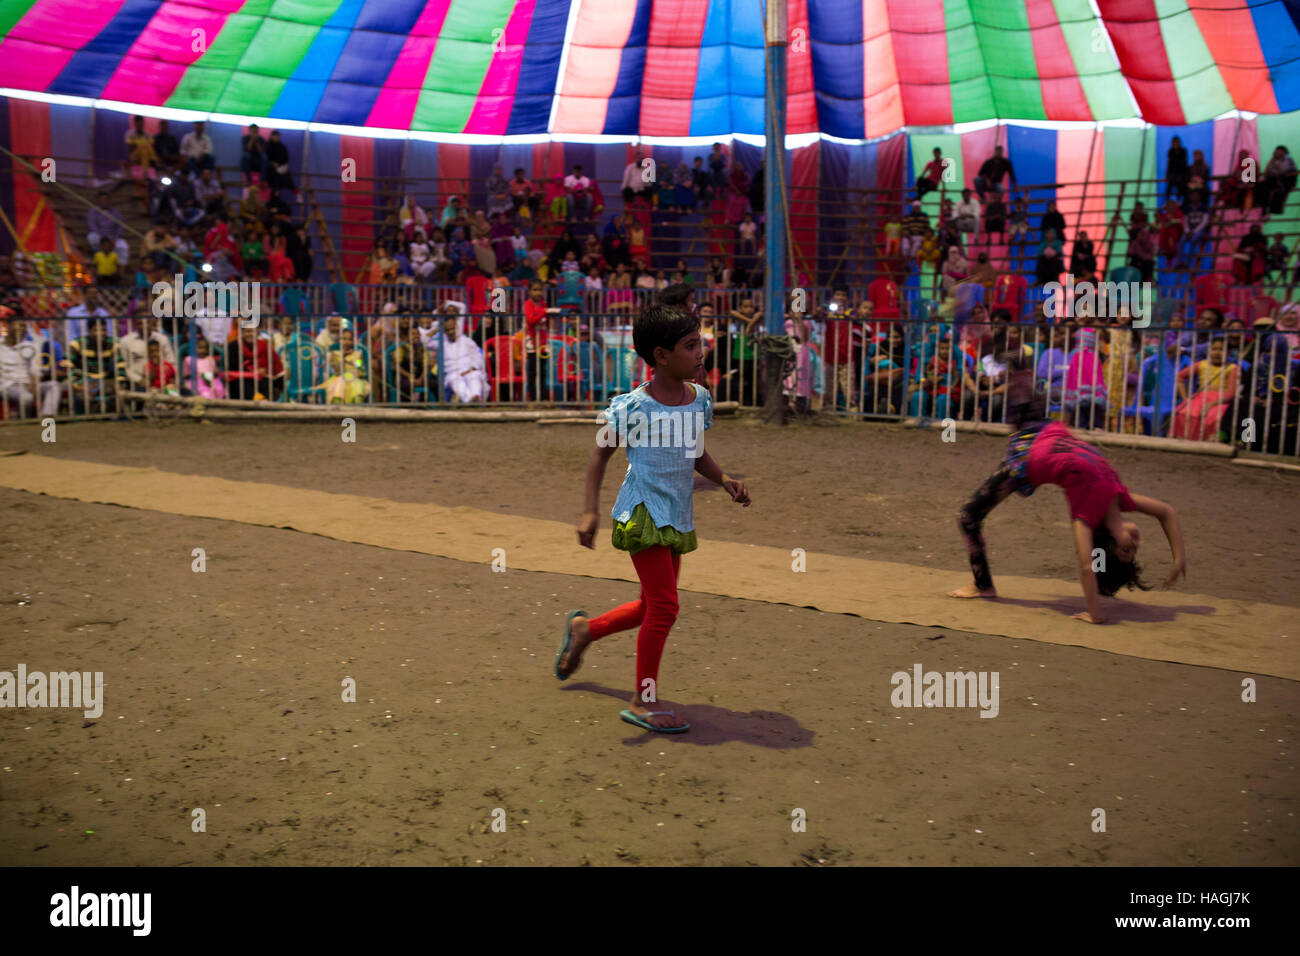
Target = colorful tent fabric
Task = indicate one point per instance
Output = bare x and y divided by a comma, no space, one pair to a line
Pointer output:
857,68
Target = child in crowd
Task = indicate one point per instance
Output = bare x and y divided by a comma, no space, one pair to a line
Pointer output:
200,376
653,515
107,267
1197,418
160,375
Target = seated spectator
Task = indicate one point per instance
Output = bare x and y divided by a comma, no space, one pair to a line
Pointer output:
160,374
1048,267
412,369
1235,191
1199,172
1083,260
983,273
253,369
992,171
165,146
139,146
1018,223
1277,182
411,217
157,244
196,147
955,268
932,175
1052,219
463,371
1278,256
1250,261
967,213
277,254
499,199
523,198
278,175
89,307
329,335
209,192
1172,225
133,351
577,190
422,264
19,384
1198,416
453,216
995,217
102,223
1142,251
299,249
636,179
94,369
108,271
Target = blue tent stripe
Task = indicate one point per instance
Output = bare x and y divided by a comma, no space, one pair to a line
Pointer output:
302,92
91,67
540,70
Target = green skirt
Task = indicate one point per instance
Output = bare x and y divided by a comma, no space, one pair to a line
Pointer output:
639,532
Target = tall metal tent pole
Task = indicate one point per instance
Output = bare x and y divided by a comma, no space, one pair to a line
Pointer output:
774,145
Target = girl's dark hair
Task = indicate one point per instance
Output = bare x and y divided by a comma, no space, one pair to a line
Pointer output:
1115,572
661,326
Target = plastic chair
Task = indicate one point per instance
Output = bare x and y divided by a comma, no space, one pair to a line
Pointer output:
563,373
1125,274
344,297
1211,291
499,357
883,294
304,362
1261,306
1009,293
624,365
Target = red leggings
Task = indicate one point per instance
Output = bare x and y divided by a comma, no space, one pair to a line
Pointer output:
655,610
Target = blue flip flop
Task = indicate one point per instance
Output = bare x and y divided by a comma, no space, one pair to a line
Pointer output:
568,642
632,718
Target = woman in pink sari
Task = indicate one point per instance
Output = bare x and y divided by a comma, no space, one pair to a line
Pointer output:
737,194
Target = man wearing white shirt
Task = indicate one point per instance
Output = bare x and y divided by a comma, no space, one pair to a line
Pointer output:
75,327
634,185
578,187
461,366
19,375
196,147
134,349
967,213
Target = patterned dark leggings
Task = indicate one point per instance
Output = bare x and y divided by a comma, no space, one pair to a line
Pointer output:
992,493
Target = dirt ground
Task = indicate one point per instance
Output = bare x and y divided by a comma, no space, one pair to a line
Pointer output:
223,688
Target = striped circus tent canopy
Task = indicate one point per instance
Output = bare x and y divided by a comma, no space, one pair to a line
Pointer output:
858,69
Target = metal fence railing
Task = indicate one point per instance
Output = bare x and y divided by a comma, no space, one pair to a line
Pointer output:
1236,385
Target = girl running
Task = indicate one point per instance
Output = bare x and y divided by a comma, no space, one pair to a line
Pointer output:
1046,453
653,517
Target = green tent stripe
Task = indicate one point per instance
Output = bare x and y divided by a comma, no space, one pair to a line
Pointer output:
11,11
459,63
204,83
1102,82
1201,89
972,93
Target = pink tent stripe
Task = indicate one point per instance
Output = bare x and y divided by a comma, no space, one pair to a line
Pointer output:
496,97
395,106
163,51
40,45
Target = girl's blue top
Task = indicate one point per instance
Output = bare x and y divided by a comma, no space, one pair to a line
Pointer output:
663,444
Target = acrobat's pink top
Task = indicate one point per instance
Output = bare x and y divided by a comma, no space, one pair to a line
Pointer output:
1058,458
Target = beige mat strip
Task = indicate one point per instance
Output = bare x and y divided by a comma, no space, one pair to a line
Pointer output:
1160,625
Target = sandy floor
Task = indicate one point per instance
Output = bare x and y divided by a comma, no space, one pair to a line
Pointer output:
224,688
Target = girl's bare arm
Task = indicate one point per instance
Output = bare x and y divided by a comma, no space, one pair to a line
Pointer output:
711,470
1168,519
1087,579
600,456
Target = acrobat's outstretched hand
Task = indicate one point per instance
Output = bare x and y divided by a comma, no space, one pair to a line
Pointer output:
1179,570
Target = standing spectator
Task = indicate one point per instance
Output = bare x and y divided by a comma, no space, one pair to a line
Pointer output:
196,147
718,169
703,180
634,184
498,192
737,194
139,146
165,146
90,307
1278,254
1018,225
915,225
1172,225
278,175
1200,170
102,223
1277,182
577,189
967,213
992,172
932,175
684,188
453,216
1177,172
252,158
300,252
